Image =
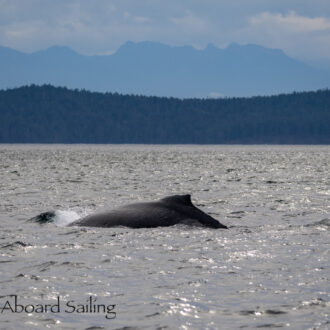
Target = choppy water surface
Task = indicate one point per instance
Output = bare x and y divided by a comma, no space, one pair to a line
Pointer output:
271,269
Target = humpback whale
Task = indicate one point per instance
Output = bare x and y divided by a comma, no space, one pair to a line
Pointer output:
165,212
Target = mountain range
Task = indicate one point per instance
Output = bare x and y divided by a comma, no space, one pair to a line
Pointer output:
155,69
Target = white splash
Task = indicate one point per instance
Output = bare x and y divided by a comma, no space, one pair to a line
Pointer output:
63,218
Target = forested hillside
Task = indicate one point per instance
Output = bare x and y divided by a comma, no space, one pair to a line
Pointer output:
45,114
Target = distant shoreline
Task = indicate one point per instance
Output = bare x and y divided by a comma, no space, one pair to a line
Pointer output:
56,115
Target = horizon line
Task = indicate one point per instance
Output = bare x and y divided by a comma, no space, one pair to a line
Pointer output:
83,90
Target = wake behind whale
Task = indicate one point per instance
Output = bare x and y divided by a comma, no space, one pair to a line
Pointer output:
168,211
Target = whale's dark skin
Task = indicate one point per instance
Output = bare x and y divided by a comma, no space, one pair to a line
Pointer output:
165,212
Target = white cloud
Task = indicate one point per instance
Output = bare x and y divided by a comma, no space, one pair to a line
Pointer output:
102,26
129,17
299,36
189,23
141,19
215,95
291,22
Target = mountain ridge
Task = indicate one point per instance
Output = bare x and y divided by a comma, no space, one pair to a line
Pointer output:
153,68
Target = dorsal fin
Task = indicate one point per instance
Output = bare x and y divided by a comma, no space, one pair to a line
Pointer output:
178,199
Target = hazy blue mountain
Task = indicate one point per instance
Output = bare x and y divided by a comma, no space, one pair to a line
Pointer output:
151,68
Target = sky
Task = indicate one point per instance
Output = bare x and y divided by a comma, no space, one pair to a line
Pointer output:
299,27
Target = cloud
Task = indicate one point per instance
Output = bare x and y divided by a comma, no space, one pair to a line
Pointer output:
299,36
216,95
189,23
135,19
291,22
87,26
102,26
94,27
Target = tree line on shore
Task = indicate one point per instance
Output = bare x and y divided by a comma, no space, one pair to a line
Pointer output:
48,114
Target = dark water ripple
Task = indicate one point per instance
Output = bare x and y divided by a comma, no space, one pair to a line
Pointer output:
271,269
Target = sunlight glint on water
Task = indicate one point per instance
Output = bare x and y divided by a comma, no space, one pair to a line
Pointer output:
270,269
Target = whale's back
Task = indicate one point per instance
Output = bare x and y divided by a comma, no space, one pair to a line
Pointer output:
142,215
168,211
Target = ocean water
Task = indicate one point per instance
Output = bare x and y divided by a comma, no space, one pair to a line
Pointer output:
269,270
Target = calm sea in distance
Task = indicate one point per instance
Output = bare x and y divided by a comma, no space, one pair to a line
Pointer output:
269,270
